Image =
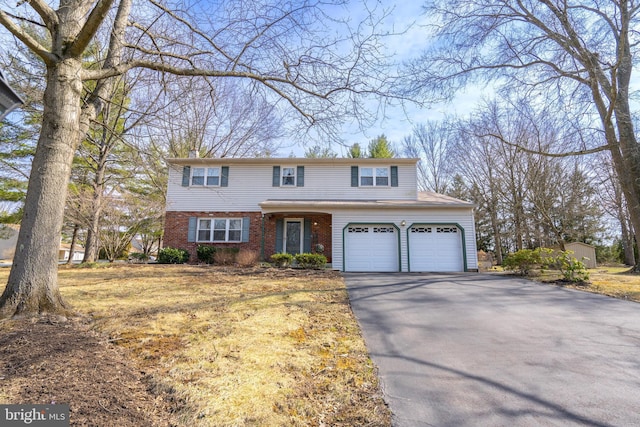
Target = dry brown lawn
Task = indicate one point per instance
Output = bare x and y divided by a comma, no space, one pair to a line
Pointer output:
229,346
617,282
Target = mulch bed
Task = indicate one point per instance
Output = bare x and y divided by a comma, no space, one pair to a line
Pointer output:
55,360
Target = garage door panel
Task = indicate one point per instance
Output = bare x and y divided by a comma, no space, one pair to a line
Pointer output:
436,248
371,248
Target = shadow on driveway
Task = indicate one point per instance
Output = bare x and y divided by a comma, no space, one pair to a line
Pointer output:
481,349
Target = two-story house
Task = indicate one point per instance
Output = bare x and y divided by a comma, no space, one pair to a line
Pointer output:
363,214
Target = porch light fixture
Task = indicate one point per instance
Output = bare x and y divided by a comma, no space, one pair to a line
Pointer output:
9,100
315,223
403,223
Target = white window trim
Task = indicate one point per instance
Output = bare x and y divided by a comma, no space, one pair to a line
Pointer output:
198,229
226,230
375,184
206,175
295,176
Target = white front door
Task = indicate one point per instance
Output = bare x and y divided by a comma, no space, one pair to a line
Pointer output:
293,236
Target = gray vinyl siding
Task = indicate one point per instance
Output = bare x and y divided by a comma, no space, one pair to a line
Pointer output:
248,185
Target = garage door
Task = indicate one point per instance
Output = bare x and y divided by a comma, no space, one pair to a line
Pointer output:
435,248
371,248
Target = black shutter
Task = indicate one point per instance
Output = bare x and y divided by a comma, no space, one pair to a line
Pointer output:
276,176
224,178
191,232
354,176
186,175
300,177
306,245
245,229
394,176
279,235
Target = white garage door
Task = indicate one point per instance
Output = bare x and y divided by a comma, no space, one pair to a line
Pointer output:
435,248
371,248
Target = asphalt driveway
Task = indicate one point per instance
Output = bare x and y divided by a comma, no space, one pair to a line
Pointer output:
486,350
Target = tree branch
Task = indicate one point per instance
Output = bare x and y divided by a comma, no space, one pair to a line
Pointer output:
25,38
544,153
88,31
47,14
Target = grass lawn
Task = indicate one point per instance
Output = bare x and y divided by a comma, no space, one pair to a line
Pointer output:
235,346
616,282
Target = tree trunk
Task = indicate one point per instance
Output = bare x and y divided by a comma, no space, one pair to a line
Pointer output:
91,249
93,232
72,247
627,239
32,287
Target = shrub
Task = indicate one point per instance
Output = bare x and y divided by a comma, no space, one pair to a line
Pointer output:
225,256
311,260
525,260
522,261
205,253
572,270
138,257
172,256
282,259
247,258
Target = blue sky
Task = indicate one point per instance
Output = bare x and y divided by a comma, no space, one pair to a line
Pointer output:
407,21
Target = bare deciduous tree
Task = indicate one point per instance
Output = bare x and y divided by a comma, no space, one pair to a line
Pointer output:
281,49
579,54
529,200
431,143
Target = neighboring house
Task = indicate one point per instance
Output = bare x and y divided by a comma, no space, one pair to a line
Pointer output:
64,252
9,238
582,250
365,214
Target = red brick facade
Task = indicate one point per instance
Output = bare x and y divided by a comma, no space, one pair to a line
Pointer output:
320,232
177,226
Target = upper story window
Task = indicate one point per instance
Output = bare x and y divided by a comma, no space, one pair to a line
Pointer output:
220,230
374,177
217,176
205,176
288,176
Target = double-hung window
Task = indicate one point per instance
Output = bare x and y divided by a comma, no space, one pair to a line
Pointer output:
197,176
220,230
288,177
205,176
204,230
213,176
374,177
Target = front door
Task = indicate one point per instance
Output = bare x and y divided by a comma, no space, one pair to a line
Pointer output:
293,236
